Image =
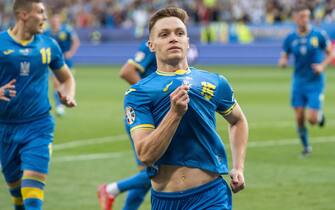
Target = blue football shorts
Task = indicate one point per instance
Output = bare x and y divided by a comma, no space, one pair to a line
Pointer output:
26,146
307,97
215,195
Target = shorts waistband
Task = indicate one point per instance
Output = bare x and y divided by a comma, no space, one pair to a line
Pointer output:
189,192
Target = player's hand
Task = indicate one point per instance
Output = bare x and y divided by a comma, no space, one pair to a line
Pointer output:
237,180
283,62
8,91
179,100
68,55
318,67
67,100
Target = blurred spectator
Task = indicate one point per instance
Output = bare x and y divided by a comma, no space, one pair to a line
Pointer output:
135,13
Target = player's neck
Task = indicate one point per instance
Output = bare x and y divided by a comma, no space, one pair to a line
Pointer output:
20,34
303,30
166,67
55,30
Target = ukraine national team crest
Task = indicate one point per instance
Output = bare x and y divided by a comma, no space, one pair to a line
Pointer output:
130,115
62,36
314,41
25,68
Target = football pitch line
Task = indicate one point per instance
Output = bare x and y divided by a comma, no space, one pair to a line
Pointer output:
109,139
251,144
88,142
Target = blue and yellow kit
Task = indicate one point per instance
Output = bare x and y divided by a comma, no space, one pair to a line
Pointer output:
307,49
196,142
64,39
26,128
144,60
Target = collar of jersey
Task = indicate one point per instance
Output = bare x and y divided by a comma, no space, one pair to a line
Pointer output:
21,42
177,72
306,33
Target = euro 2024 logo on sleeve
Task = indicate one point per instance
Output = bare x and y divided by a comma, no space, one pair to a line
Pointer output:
130,115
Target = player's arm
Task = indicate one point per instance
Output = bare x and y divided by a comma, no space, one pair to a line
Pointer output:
150,145
238,136
74,46
67,86
318,68
286,50
8,90
129,72
283,60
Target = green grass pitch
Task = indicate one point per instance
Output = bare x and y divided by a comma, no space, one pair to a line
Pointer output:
91,146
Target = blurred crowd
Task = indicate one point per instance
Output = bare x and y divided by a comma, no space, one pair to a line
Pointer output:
135,13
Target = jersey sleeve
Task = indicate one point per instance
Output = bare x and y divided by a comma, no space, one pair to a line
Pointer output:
71,32
286,45
324,40
143,58
225,97
137,110
57,58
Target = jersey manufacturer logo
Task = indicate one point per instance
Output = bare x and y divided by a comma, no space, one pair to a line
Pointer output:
7,52
130,115
207,90
25,68
167,86
129,91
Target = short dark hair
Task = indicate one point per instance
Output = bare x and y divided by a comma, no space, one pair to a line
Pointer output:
300,7
168,12
24,5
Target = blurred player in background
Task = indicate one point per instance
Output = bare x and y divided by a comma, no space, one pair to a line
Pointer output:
171,117
308,45
26,126
69,43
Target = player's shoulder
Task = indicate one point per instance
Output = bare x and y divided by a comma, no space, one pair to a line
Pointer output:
292,35
204,73
143,47
318,31
143,86
5,43
4,35
47,39
147,81
67,27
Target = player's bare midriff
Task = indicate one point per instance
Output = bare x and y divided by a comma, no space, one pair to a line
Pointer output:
178,178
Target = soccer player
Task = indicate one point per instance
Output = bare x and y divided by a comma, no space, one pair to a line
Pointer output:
312,53
69,43
26,127
141,66
171,117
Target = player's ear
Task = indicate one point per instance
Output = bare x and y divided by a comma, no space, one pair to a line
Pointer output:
23,14
151,46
